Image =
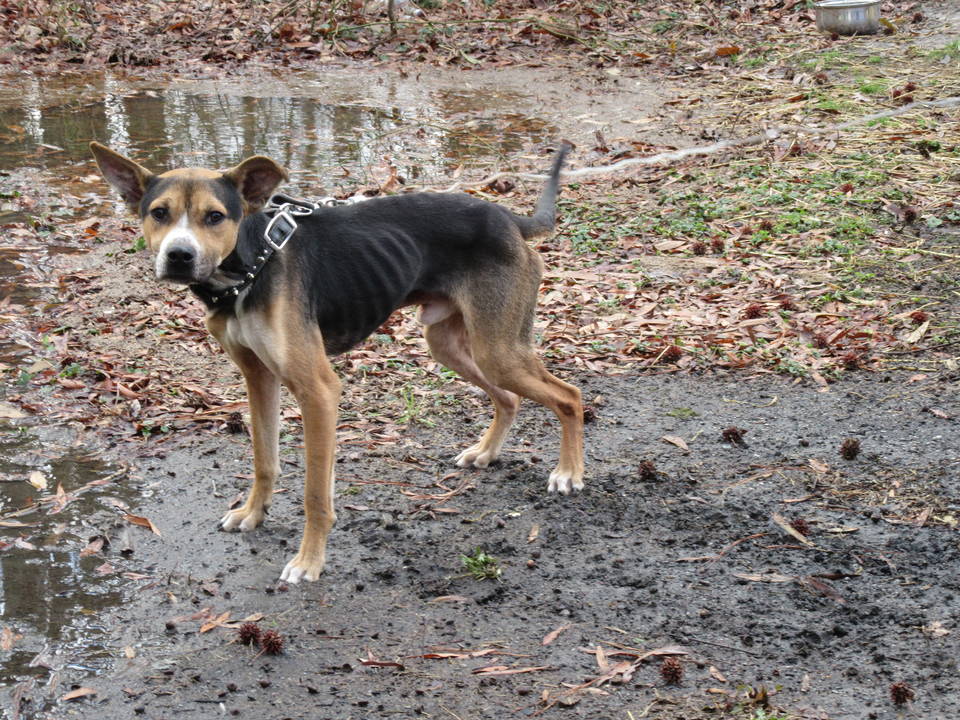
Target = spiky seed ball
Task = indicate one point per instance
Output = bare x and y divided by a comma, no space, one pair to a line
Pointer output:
901,693
821,78
766,225
734,435
249,634
754,310
849,449
647,471
846,188
789,304
672,353
699,248
589,413
718,245
919,317
906,99
234,424
910,214
910,87
272,642
800,525
671,670
918,17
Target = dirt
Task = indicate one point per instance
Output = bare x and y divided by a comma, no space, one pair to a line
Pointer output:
866,604
688,558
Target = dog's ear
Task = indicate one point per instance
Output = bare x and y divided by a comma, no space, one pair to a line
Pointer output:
122,173
256,178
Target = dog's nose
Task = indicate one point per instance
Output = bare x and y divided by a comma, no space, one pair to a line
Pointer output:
181,256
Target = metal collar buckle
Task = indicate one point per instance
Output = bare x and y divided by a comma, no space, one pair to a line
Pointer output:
280,229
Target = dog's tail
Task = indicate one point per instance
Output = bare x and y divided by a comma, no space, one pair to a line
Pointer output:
544,217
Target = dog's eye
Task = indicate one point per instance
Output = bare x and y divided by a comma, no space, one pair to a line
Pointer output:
159,213
214,217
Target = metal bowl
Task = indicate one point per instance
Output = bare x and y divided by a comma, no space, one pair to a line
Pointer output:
848,17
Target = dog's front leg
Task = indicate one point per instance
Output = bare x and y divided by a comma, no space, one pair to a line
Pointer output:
263,392
317,390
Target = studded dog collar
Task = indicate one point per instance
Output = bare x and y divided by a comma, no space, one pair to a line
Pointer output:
283,211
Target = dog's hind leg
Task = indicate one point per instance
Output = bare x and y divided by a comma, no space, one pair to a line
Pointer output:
263,391
449,345
498,315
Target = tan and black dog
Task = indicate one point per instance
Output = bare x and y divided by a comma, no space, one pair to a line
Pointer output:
285,291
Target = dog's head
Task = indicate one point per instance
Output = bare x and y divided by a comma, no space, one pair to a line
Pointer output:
190,216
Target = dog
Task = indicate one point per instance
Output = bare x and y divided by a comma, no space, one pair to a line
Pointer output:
288,286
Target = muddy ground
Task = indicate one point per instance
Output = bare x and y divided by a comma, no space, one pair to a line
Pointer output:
825,629
688,558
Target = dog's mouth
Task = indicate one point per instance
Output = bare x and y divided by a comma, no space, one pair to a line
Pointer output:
198,272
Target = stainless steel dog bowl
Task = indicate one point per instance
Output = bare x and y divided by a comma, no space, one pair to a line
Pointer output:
848,17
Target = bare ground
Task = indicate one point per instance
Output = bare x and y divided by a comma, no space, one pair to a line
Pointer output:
687,558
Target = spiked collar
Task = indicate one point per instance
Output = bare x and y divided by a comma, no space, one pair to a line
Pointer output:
282,212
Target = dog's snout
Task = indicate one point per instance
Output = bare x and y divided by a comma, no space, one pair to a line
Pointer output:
181,256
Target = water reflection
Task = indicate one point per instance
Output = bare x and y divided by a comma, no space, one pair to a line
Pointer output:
440,130
50,594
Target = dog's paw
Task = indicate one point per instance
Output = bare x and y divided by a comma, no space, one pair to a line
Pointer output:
478,456
243,518
302,569
563,481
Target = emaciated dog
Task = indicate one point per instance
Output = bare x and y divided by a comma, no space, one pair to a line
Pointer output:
286,285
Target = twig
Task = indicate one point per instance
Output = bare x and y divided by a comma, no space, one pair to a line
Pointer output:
727,647
719,146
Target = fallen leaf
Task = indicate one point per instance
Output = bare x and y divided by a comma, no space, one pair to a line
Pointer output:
79,693
717,675
554,634
678,441
934,629
38,480
534,533
505,670
818,466
728,50
218,621
142,522
785,525
8,638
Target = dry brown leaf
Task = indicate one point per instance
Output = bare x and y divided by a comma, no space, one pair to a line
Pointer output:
717,675
8,638
785,525
554,634
38,480
142,522
534,533
818,466
216,622
506,670
80,692
678,441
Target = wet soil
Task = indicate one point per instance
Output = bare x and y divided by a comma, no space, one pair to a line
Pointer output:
689,557
634,562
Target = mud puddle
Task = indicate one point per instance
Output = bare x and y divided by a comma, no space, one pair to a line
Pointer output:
59,505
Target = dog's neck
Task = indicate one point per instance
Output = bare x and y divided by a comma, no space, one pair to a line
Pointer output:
240,269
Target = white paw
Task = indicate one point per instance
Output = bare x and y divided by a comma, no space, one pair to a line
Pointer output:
241,519
563,481
475,456
296,570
